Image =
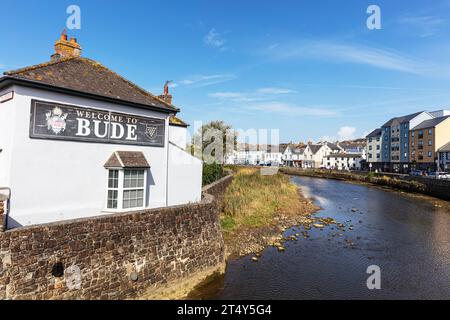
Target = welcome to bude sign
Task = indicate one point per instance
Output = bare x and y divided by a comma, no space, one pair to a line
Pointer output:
62,122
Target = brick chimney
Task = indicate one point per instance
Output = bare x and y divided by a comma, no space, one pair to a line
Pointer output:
166,96
65,48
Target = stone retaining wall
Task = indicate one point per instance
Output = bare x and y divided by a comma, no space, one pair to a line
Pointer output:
2,214
432,187
119,256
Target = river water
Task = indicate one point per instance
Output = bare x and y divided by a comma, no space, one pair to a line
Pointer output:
408,237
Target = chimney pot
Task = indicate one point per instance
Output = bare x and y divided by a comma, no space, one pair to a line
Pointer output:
65,48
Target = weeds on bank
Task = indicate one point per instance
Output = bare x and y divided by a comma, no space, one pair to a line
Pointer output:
253,200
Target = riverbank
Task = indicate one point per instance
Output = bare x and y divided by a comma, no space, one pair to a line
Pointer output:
430,187
256,209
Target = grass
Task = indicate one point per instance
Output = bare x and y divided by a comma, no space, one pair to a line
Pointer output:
253,200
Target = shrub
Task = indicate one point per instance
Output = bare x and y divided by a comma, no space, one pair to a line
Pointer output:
211,173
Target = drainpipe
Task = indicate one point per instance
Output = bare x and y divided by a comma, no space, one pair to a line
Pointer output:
4,224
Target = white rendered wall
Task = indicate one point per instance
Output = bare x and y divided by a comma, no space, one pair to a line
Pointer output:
6,136
178,135
185,177
57,180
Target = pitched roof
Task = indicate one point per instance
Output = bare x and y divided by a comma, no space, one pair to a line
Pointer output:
430,123
175,121
402,119
333,146
344,155
445,148
315,147
375,133
127,159
299,151
87,76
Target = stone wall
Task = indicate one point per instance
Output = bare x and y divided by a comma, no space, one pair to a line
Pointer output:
432,187
119,256
2,214
217,189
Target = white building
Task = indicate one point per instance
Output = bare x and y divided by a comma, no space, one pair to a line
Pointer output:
78,140
293,156
314,154
444,158
374,149
343,161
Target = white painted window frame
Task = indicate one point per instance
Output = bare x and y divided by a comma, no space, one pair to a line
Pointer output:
121,189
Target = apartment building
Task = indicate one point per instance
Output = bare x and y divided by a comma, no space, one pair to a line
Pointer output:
395,150
373,149
426,139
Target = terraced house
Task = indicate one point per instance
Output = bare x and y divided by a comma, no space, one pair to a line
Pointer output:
427,139
93,142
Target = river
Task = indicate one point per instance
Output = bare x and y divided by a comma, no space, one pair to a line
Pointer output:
408,237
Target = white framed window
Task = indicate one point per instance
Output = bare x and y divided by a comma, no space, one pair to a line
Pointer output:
126,189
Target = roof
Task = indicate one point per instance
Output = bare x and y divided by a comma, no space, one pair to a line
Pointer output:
430,123
344,155
315,147
299,151
84,75
402,119
175,121
445,148
333,146
375,133
127,159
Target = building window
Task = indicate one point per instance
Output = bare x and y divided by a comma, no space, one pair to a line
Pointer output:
430,154
412,134
430,142
113,189
133,189
430,132
420,134
126,189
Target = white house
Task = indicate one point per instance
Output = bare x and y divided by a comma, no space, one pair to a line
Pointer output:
342,161
78,140
293,156
444,158
314,154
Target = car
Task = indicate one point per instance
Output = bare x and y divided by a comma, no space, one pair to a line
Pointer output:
415,173
439,175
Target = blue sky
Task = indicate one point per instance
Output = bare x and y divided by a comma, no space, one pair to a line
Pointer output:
309,68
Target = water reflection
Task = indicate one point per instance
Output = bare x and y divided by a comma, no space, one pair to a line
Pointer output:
409,238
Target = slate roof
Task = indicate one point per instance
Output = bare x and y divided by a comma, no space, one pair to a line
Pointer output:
315,148
375,133
402,119
445,148
299,151
87,76
127,159
344,155
333,146
430,123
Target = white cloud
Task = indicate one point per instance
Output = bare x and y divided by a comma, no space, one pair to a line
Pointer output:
261,94
214,39
350,53
425,25
346,133
207,80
